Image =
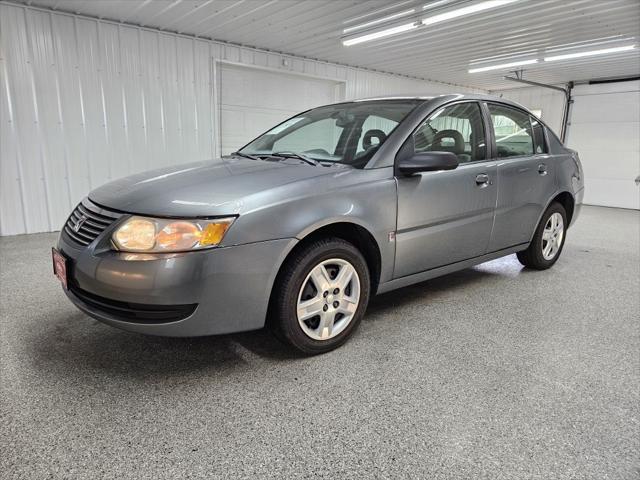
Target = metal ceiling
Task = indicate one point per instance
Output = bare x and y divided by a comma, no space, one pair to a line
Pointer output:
444,52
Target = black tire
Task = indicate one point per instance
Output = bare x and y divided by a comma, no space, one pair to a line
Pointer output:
283,319
532,257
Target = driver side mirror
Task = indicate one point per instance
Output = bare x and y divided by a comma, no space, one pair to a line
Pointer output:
428,162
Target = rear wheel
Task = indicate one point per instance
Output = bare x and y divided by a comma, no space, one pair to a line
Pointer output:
548,239
321,296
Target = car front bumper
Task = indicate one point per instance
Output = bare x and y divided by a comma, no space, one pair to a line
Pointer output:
208,292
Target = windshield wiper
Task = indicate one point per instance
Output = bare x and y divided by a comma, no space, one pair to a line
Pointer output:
245,155
299,156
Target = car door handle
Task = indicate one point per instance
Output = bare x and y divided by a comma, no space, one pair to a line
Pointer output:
542,169
482,179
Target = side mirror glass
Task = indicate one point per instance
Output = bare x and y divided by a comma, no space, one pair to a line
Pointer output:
428,162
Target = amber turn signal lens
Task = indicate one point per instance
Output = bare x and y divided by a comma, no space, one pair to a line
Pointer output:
213,233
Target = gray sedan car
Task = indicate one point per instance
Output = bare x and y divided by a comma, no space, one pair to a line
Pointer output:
299,228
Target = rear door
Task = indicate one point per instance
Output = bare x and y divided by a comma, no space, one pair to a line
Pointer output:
525,174
446,216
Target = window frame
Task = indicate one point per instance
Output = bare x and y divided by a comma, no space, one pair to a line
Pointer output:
494,147
545,139
487,137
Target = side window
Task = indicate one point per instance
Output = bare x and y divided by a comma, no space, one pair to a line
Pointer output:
538,136
374,131
514,134
458,129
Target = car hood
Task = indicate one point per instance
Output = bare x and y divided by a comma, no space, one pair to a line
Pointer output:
211,188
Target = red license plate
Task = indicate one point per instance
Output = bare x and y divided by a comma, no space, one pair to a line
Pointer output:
60,266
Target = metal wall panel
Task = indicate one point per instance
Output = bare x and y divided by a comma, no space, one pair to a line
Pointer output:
442,51
85,101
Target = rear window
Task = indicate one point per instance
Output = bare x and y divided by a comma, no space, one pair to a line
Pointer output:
539,140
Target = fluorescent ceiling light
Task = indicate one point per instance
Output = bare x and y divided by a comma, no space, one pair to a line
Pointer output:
382,33
478,7
435,4
379,20
503,65
603,51
554,58
475,8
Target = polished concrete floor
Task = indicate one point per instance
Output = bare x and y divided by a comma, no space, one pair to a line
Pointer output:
493,372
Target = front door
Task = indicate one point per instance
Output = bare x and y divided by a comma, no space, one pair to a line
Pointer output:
445,217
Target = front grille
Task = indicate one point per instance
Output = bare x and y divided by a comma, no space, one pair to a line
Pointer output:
133,312
88,221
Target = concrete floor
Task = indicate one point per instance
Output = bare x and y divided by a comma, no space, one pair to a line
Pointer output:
492,372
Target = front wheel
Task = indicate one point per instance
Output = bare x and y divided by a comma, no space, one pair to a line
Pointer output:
321,296
548,239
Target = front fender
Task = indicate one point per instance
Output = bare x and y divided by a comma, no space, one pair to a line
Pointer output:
367,198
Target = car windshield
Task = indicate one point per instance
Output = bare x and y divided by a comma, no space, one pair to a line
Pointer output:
348,133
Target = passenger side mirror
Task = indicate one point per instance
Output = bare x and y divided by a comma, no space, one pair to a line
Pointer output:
428,162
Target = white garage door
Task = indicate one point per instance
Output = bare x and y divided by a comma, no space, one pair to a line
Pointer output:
605,130
253,100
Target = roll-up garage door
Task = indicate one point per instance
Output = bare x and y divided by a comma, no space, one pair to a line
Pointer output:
605,130
253,100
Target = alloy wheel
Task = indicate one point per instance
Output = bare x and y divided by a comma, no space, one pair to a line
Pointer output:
552,236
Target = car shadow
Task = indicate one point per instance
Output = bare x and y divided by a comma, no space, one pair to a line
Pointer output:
427,290
75,341
80,343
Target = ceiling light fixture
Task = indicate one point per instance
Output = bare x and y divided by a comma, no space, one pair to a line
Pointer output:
435,4
441,17
382,33
603,51
503,66
379,20
567,56
478,7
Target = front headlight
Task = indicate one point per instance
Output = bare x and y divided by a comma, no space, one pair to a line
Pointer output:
154,235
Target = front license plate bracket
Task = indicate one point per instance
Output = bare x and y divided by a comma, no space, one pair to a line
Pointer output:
60,267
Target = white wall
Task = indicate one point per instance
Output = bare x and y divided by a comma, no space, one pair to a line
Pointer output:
551,102
604,128
84,101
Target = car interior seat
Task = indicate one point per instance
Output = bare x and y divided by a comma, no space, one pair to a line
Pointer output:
457,147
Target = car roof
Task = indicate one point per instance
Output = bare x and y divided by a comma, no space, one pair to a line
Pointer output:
394,97
443,97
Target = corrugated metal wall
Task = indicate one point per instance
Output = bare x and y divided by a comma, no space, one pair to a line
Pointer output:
85,101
